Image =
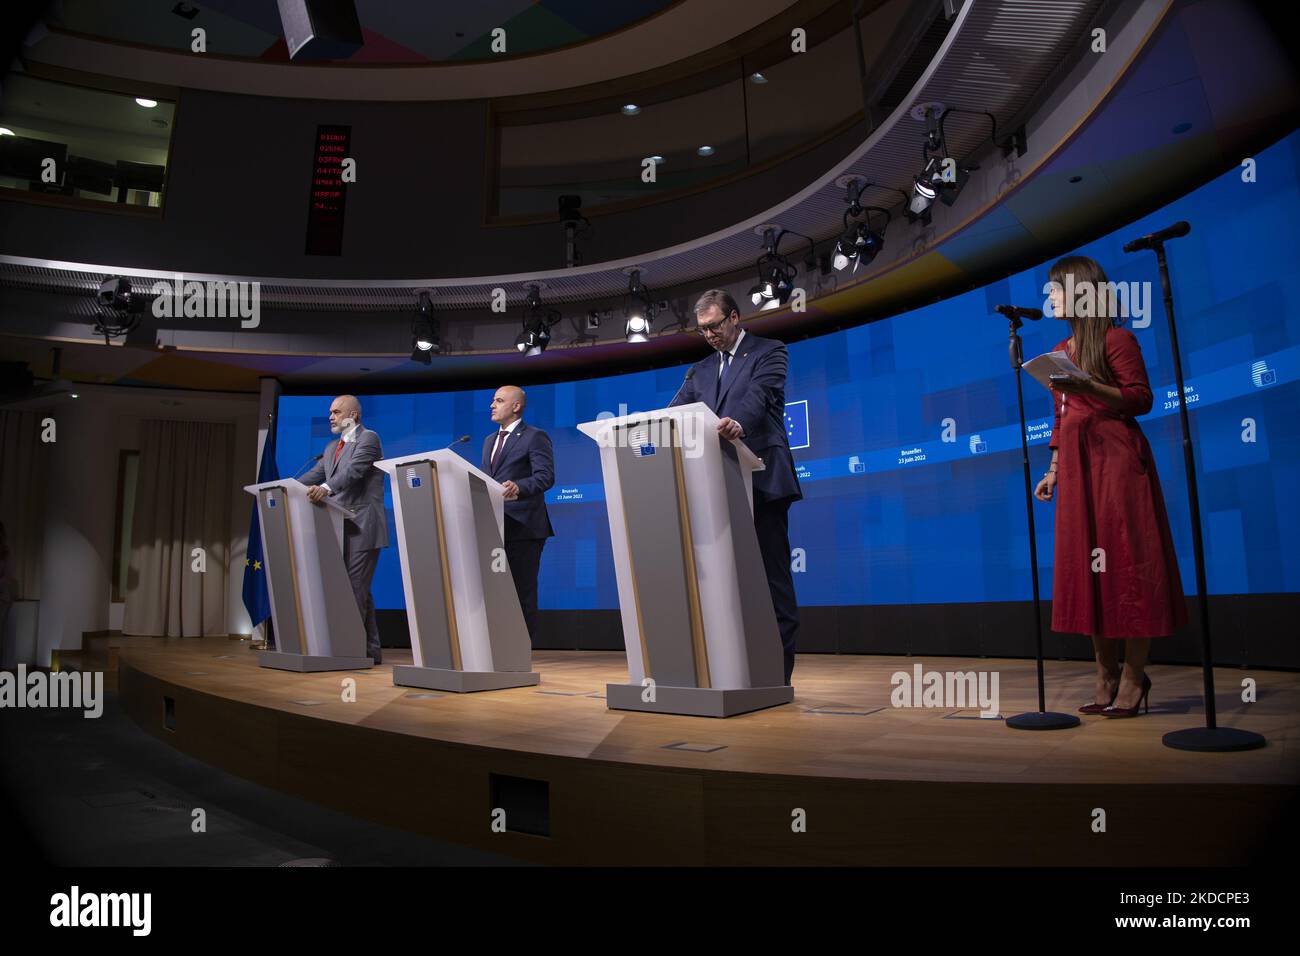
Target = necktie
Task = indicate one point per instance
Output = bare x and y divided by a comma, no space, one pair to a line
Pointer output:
496,449
338,450
722,372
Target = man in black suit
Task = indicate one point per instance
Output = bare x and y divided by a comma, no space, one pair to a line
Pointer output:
519,456
743,382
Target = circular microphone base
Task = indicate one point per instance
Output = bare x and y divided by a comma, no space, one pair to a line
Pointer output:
1214,739
1043,720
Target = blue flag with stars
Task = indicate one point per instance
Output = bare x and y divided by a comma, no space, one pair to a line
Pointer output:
256,596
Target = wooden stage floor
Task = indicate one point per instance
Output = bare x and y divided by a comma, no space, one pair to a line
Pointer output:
876,783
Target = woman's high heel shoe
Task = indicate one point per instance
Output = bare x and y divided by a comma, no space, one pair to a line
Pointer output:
1096,708
1143,703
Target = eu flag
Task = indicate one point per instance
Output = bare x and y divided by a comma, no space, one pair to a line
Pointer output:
256,597
796,424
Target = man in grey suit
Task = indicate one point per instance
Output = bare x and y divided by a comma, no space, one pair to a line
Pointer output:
347,474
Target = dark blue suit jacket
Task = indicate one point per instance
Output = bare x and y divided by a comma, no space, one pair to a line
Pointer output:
754,395
527,460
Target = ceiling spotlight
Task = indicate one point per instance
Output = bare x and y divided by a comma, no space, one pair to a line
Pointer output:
630,109
424,331
119,308
637,309
859,243
146,103
776,275
942,176
536,334
6,131
705,151
656,159
757,78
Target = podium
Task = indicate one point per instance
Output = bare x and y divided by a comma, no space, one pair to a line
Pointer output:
467,628
698,622
317,624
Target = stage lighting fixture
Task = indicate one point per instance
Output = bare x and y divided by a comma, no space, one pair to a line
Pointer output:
630,109
637,309
776,275
425,339
705,151
930,183
536,334
119,308
859,243
758,78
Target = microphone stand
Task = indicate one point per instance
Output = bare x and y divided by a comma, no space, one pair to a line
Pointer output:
1211,738
1042,719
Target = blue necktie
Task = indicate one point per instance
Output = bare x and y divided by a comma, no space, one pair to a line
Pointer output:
722,373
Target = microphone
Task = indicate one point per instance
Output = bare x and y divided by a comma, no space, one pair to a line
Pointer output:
1176,231
690,373
456,441
307,464
1019,312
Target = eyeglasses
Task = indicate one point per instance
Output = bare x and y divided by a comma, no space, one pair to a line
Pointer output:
712,326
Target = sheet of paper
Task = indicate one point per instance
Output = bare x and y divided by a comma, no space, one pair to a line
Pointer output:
1044,366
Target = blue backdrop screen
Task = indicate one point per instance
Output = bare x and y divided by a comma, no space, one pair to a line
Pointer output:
895,511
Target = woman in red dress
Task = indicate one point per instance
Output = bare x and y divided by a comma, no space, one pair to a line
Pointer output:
1116,574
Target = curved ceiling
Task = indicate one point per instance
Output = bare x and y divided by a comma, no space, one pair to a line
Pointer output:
677,32
408,33
1116,136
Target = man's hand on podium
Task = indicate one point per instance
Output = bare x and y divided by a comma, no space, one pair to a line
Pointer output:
730,428
510,490
317,493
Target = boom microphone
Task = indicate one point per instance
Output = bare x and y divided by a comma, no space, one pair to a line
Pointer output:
1175,231
307,464
690,373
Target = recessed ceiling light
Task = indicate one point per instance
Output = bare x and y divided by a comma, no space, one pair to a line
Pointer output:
73,395
705,150
657,160
757,78
6,131
630,109
146,103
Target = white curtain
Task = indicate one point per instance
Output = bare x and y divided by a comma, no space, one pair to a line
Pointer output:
182,502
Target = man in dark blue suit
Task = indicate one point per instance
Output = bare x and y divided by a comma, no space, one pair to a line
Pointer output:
519,456
743,382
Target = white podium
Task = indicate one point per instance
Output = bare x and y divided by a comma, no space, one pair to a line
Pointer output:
698,623
467,628
317,624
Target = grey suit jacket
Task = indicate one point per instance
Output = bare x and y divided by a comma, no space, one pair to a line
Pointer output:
358,486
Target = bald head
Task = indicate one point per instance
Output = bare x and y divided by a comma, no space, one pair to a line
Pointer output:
343,408
508,404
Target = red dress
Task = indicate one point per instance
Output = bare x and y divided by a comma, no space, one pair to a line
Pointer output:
1108,497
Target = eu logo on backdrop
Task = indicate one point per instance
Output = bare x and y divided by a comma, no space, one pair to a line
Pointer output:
796,424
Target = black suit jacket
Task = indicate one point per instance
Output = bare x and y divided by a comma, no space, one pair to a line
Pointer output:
527,460
754,396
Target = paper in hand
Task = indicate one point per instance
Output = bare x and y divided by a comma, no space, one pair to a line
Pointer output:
1048,364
